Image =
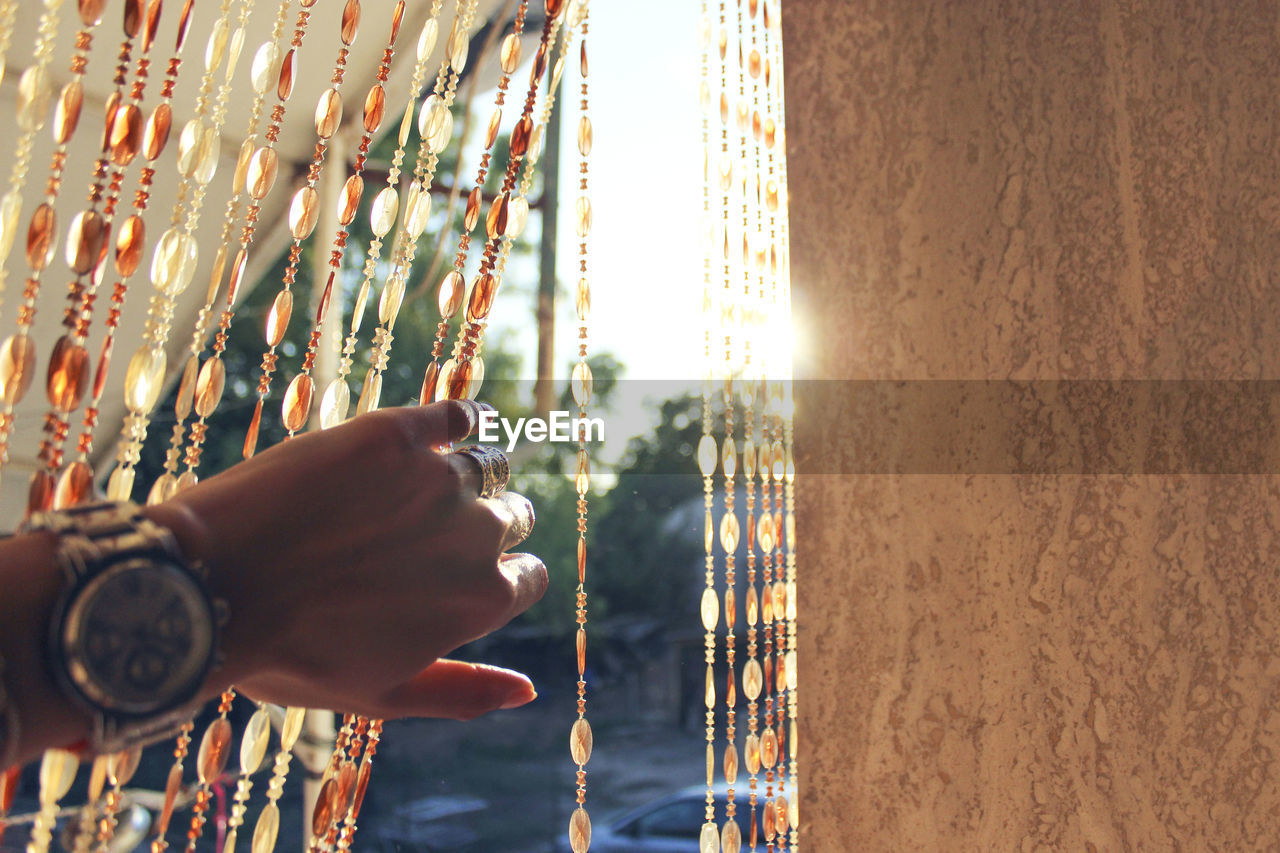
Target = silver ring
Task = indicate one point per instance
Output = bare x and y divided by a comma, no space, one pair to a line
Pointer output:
495,471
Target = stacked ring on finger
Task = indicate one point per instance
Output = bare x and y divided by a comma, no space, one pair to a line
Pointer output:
495,471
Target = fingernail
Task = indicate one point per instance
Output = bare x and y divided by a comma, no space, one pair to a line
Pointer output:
522,695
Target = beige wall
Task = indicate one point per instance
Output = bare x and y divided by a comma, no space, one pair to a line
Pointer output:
1036,190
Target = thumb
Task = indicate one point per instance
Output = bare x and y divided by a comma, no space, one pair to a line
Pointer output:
460,691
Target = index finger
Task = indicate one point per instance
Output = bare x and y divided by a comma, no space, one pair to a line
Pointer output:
437,425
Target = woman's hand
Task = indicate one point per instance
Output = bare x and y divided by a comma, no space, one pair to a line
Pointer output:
353,559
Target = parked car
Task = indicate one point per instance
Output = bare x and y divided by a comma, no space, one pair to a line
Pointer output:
669,824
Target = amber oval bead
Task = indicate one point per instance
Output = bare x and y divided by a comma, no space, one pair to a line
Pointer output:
155,136
583,209
125,139
579,827
284,83
452,288
375,107
74,485
482,293
350,22
187,388
495,123
520,136
17,368
585,136
583,301
209,386
496,221
459,385
261,175
472,214
326,801
304,211
510,54
86,241
582,383
580,741
278,317
68,374
41,236
297,402
328,113
66,114
215,747
349,200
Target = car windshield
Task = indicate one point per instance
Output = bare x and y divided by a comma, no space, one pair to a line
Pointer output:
681,819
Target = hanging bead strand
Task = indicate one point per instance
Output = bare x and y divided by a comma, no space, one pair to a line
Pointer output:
172,786
253,749
267,829
518,206
336,399
296,407
581,739
200,389
172,268
211,760
120,770
435,127
454,283
464,377
86,246
30,112
18,352
708,453
303,215
129,244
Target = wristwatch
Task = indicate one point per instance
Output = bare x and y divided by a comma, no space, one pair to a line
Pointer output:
135,631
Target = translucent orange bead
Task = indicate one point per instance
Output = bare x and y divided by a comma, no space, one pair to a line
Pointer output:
124,139
215,747
452,288
261,174
41,236
323,814
17,368
86,241
278,317
510,54
74,485
304,212
585,136
580,831
297,402
350,22
129,244
266,830
284,84
349,200
751,750
482,293
375,105
581,383
155,136
209,386
68,375
185,400
472,214
66,113
328,113
520,134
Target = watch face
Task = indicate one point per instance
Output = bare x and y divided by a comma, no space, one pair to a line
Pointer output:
138,637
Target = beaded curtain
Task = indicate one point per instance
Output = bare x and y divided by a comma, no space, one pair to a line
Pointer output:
139,216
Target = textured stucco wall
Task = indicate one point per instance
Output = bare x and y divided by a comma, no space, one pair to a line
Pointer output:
1034,190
